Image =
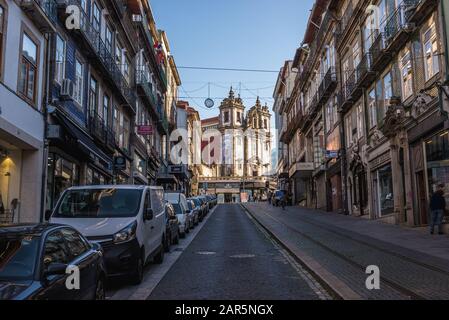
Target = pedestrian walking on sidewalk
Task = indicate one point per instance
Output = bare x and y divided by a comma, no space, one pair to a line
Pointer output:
437,209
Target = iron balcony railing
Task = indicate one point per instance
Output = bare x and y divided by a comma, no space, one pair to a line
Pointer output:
50,8
344,22
143,82
143,23
327,85
92,35
101,130
314,47
399,20
43,12
348,87
363,68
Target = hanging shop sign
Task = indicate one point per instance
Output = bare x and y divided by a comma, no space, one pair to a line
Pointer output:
145,130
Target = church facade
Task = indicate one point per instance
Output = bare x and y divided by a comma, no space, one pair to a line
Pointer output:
241,150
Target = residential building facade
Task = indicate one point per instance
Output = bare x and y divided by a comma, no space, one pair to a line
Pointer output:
89,89
372,108
25,28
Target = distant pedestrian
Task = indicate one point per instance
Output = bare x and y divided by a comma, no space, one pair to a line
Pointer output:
437,209
269,197
284,200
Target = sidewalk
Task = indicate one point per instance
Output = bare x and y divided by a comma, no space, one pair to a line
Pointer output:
413,264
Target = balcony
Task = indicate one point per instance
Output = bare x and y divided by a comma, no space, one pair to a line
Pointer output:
327,86
344,23
101,132
345,97
163,121
380,57
364,74
98,51
143,25
398,26
43,13
419,10
146,88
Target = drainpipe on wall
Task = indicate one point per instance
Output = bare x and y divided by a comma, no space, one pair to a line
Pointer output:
46,102
445,16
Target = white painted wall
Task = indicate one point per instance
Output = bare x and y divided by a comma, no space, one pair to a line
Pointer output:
13,109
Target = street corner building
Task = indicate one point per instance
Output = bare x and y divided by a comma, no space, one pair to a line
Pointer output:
87,104
362,107
244,167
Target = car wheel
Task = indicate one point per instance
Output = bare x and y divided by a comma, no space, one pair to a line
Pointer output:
176,241
167,243
159,258
137,277
100,292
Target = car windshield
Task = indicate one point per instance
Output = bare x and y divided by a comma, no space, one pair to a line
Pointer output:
197,202
18,257
173,197
99,203
191,205
177,208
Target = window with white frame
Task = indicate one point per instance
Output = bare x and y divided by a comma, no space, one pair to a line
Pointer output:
79,82
96,17
60,59
335,110
430,43
108,39
329,116
348,127
372,107
406,74
360,121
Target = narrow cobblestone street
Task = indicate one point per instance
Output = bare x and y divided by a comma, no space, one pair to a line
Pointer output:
413,265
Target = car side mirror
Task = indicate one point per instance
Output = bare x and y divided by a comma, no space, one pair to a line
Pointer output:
56,269
48,214
149,215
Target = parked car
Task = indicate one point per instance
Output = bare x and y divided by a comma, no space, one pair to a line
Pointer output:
194,212
201,207
205,203
210,201
172,227
277,197
128,222
35,260
179,202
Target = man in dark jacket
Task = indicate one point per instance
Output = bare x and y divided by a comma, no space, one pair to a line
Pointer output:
437,209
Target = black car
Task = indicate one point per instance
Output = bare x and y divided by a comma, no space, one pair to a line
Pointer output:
41,262
172,228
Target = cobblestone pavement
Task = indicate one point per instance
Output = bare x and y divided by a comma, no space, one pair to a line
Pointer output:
232,258
414,266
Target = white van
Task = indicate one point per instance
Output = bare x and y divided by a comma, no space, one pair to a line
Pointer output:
128,222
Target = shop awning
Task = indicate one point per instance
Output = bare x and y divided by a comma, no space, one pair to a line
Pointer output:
85,143
166,178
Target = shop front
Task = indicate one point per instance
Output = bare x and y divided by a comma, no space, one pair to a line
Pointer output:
429,154
382,188
21,165
73,159
436,156
302,183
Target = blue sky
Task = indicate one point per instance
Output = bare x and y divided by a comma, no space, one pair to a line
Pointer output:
248,34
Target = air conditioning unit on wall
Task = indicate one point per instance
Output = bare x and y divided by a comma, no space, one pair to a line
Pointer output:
67,90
